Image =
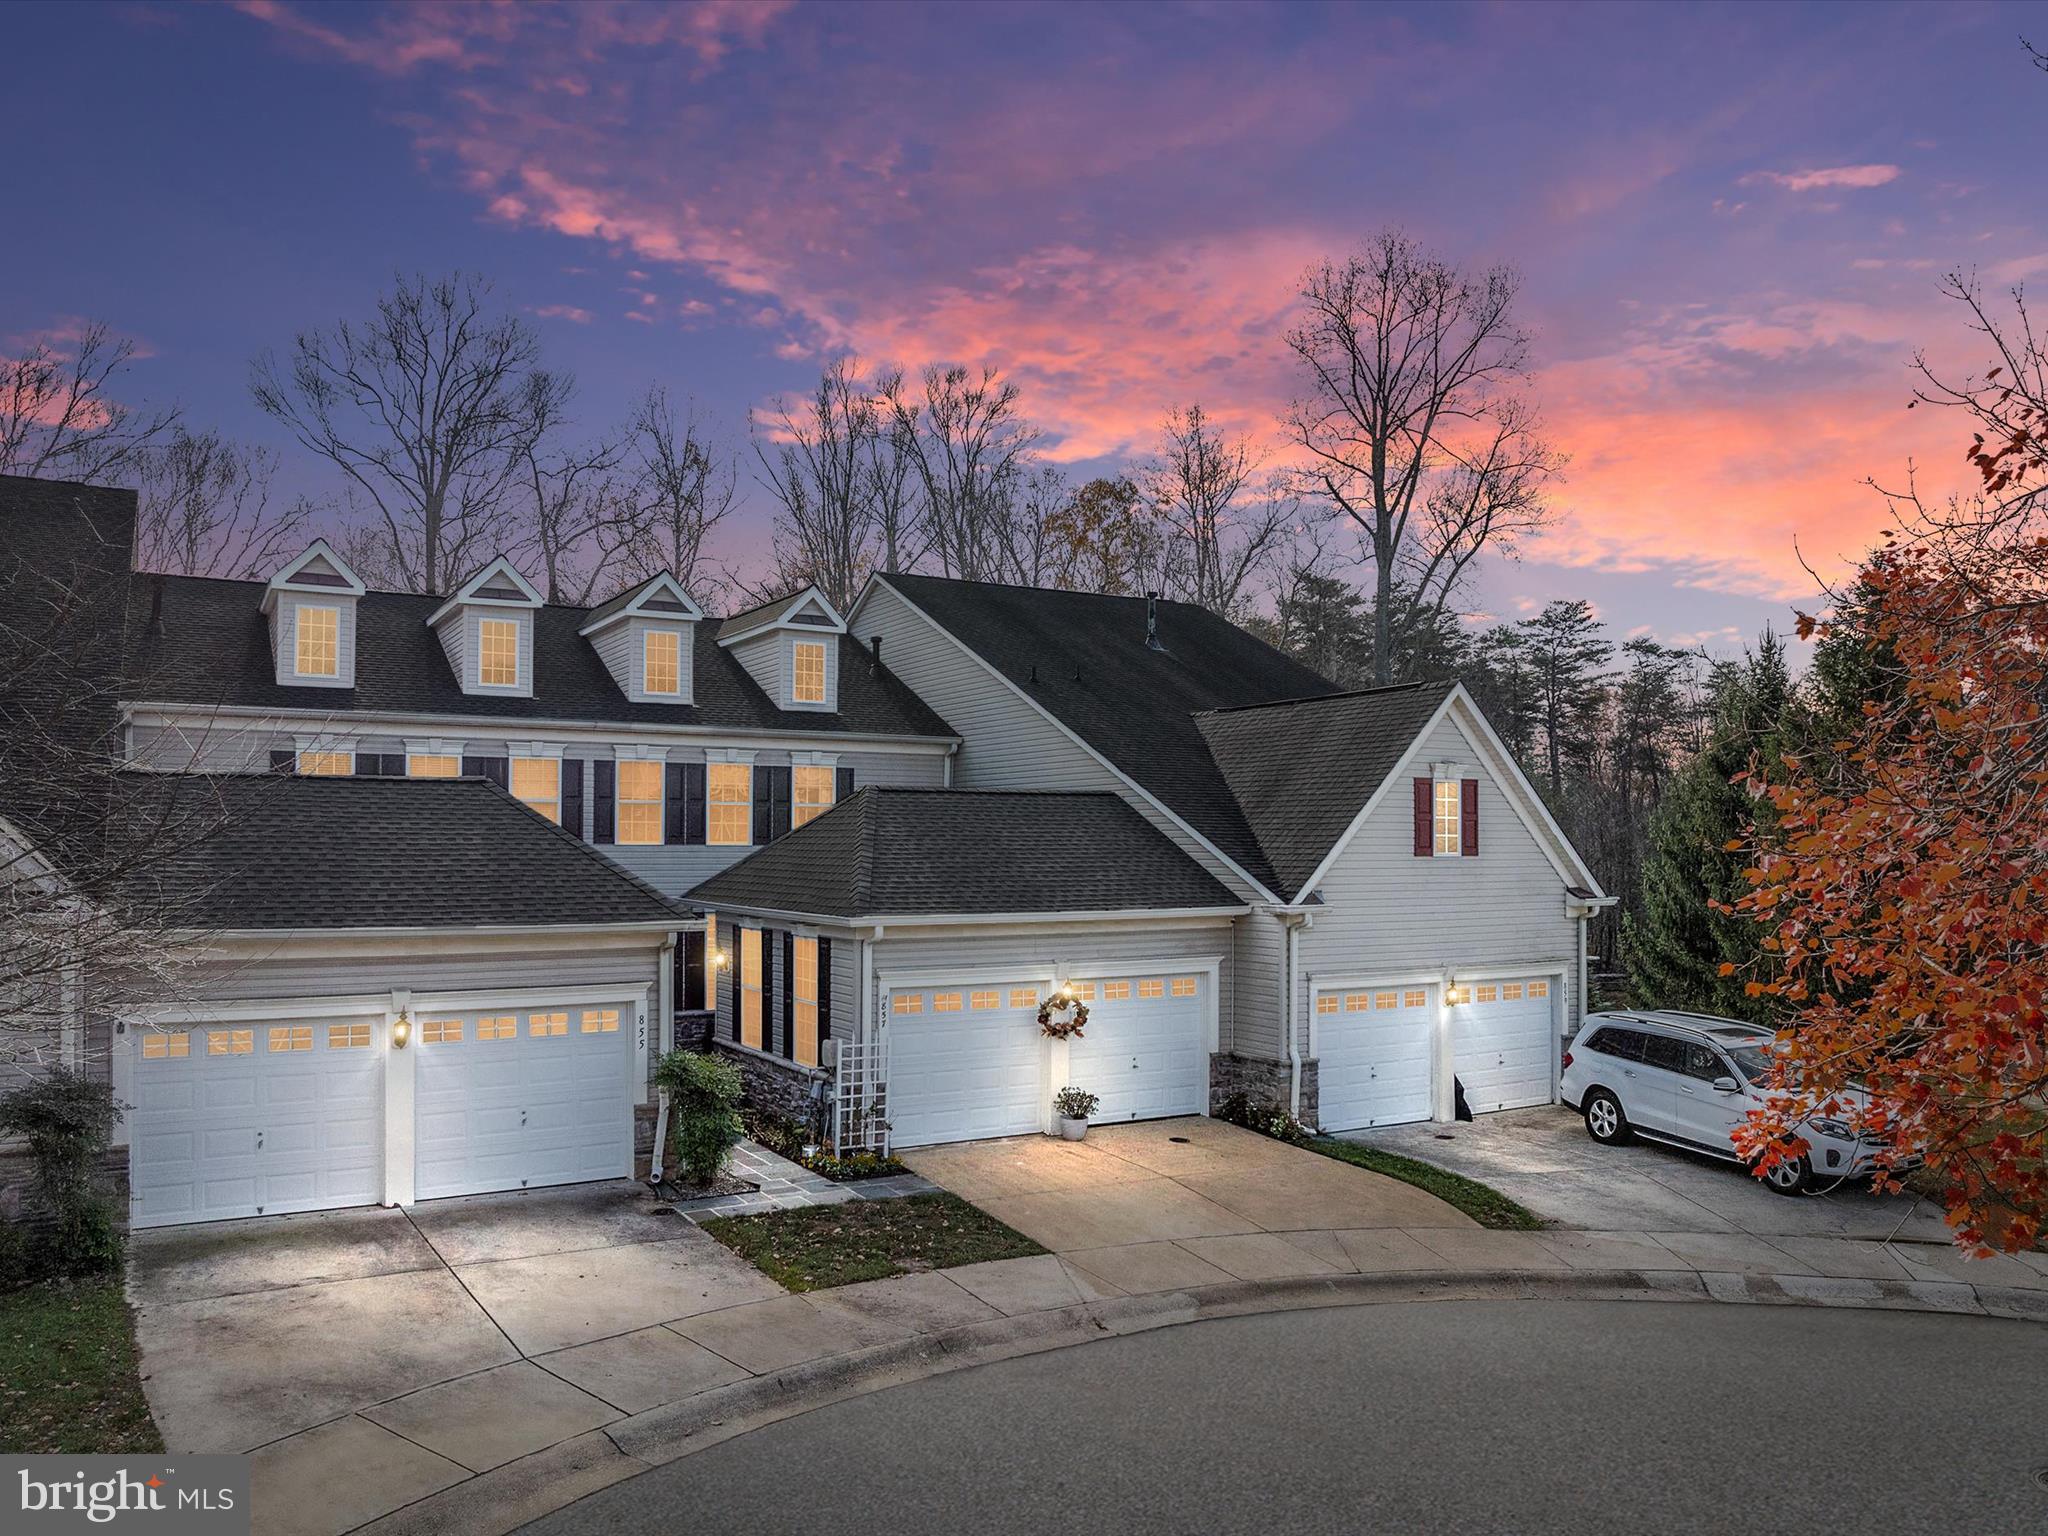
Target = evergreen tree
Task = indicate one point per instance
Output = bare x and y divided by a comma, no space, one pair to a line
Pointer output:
1567,653
1676,944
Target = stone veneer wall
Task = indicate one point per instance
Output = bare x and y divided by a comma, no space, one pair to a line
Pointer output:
779,1085
1265,1082
693,1029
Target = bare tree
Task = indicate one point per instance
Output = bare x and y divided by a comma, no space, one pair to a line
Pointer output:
893,479
1198,485
430,409
971,450
1412,423
1028,533
1103,541
578,520
816,460
682,488
57,419
205,509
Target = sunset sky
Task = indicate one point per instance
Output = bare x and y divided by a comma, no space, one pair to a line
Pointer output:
1730,220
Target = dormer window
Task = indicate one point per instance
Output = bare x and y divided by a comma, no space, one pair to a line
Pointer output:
319,640
662,661
808,672
497,658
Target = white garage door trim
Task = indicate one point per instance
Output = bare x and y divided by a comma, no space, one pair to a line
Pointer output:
1376,1083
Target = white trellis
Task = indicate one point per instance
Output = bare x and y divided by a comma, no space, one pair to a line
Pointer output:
860,1102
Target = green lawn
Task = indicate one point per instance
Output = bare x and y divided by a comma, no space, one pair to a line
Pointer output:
67,1372
1484,1204
819,1246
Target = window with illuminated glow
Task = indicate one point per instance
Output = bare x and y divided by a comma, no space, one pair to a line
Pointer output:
1115,991
441,1031
804,997
546,1024
662,661
1329,1002
1449,816
1386,1000
319,642
1152,987
347,1037
1511,992
1357,1002
1023,997
1414,998
327,765
639,803
812,793
600,1021
945,1002
497,1026
750,987
1489,994
292,1037
497,653
1084,991
907,1002
981,1002
808,683
538,782
230,1042
1539,989
433,765
160,1046
1183,986
729,804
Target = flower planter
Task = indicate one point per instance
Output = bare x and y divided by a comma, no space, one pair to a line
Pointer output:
1073,1130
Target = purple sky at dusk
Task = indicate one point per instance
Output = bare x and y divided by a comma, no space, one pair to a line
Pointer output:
1730,220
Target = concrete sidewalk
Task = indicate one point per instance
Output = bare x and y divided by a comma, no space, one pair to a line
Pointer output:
490,1452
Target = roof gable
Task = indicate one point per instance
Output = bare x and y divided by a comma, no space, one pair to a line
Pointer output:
498,585
805,608
317,569
661,596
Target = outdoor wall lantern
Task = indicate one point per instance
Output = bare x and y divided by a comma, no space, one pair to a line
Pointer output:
719,960
401,1031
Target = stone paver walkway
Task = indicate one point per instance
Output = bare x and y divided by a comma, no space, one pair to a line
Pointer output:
785,1186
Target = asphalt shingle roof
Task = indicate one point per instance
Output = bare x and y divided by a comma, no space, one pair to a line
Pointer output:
264,851
920,852
212,647
1083,657
1302,769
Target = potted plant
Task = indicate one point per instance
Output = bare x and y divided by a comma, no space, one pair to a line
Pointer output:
1073,1106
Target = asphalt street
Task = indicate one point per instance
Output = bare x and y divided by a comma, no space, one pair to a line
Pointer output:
1463,1417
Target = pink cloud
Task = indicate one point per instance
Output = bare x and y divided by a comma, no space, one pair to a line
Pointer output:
568,312
1829,176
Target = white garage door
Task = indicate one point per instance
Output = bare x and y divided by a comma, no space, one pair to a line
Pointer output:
1145,1049
1373,1051
1501,1034
965,1062
518,1099
256,1118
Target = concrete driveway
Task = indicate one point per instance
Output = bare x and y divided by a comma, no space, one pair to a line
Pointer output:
413,1336
1164,1204
1544,1158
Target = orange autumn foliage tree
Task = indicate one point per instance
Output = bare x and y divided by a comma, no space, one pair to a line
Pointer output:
1904,880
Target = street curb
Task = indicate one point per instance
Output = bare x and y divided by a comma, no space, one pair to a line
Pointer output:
674,1431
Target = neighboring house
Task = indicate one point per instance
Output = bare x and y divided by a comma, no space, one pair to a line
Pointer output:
473,862
1403,916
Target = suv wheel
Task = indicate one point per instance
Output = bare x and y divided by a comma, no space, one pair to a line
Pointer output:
1605,1122
1790,1175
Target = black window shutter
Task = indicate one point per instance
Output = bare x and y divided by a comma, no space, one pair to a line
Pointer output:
672,803
1468,818
603,774
693,803
572,794
764,832
496,769
824,992
779,793
690,988
394,765
768,989
789,992
367,765
842,785
380,765
283,760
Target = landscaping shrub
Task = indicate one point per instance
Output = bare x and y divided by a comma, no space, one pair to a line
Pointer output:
788,1138
67,1120
853,1167
704,1116
1268,1119
774,1130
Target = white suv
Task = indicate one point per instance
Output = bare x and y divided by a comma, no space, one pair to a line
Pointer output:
1689,1079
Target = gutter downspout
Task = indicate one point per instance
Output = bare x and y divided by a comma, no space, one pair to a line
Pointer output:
665,1000
1292,923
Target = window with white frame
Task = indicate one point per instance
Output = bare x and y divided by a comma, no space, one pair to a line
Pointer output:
729,804
432,765
813,790
807,676
639,802
319,641
497,653
538,782
750,987
1448,818
661,656
327,765
804,990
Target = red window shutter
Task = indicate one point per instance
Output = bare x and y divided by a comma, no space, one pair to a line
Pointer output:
1468,818
1424,835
